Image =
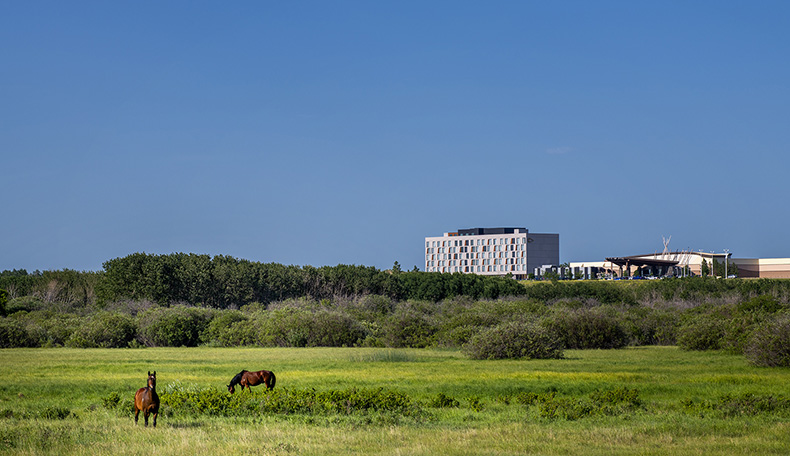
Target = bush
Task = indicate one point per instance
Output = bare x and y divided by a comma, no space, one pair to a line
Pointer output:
441,400
612,402
595,328
408,326
178,326
211,401
13,334
770,344
515,340
333,329
762,303
52,328
651,326
104,330
701,332
3,301
222,331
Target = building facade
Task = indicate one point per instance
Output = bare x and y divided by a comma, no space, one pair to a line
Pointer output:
491,251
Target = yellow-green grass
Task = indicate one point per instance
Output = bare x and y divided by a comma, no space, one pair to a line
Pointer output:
33,379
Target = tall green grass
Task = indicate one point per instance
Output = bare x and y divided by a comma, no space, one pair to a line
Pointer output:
652,400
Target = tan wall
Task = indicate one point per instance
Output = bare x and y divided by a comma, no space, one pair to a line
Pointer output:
768,268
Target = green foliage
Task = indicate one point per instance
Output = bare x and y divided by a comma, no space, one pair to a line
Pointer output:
515,340
173,327
701,332
762,303
509,396
221,331
103,330
739,404
55,413
770,344
651,326
3,302
442,400
112,400
344,305
729,327
612,402
194,401
13,334
597,327
410,325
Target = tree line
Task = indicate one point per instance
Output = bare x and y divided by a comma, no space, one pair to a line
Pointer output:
188,300
226,282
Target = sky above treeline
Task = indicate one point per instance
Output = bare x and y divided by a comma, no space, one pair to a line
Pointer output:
324,133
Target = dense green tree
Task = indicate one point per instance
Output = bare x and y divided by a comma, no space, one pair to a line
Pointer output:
3,301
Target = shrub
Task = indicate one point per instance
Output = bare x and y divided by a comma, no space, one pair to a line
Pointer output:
51,328
515,340
172,327
333,329
408,327
104,330
762,303
770,344
614,402
55,413
211,401
748,404
13,334
651,326
221,330
441,400
594,328
701,332
3,301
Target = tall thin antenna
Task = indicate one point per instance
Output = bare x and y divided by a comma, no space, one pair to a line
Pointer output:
665,253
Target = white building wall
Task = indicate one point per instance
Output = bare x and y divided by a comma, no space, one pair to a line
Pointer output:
489,254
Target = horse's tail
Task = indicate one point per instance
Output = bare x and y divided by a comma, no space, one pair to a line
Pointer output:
274,380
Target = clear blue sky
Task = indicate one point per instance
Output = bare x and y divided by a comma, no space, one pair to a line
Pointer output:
328,133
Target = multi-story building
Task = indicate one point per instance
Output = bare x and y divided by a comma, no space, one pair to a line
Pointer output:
492,251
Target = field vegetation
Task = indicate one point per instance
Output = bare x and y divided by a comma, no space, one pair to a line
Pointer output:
388,362
642,400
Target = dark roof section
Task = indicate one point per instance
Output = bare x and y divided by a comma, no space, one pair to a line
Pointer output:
638,261
478,231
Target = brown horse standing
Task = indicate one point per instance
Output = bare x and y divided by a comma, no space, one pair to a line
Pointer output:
146,400
248,379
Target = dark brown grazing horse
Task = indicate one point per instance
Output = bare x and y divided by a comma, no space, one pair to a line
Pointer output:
248,379
146,400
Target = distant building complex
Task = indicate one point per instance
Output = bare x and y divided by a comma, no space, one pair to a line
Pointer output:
516,251
491,251
678,264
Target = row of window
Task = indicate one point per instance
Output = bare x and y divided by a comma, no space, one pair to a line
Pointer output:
476,262
481,269
457,256
470,242
482,248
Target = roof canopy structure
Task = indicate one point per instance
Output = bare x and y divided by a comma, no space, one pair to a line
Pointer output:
640,260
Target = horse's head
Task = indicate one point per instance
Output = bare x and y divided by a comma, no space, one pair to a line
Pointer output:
231,389
151,379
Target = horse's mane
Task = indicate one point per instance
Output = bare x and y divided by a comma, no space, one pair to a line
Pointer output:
237,379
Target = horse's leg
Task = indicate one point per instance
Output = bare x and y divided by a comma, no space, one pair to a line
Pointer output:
145,415
155,415
136,413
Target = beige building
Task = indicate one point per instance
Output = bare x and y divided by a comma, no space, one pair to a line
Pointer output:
685,262
769,268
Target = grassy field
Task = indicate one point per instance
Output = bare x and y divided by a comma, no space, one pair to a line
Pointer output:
689,403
